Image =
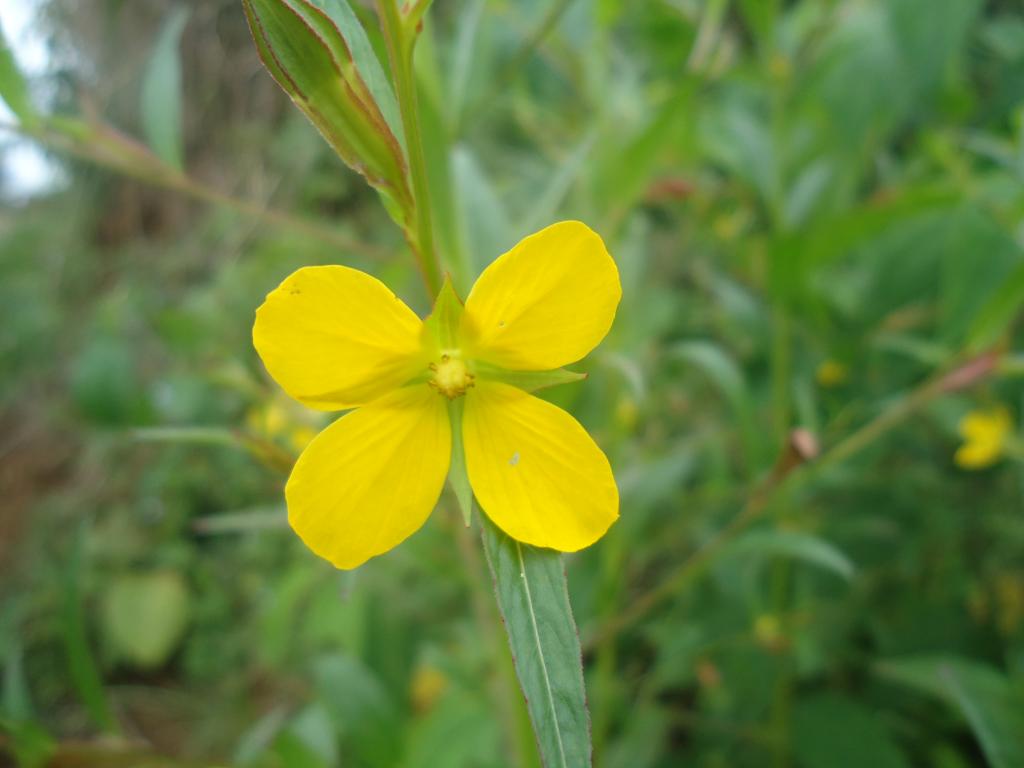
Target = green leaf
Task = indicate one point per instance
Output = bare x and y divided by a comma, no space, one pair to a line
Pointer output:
105,384
760,16
841,733
366,61
304,50
621,176
161,91
363,708
13,88
799,546
458,732
465,62
15,698
31,745
988,702
530,586
1000,310
549,199
315,731
530,381
82,668
726,375
145,615
484,225
979,262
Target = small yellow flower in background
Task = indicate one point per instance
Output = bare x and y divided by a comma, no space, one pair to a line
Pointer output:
831,373
626,412
985,435
1009,590
277,421
336,338
426,687
768,632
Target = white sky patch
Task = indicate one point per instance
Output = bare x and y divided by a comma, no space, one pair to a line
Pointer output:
26,170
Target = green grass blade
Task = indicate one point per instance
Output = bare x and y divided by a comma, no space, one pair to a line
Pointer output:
83,669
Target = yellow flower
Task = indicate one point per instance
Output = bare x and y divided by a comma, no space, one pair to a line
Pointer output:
279,421
831,374
985,435
426,687
336,338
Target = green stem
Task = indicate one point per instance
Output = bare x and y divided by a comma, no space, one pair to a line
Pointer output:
781,576
99,145
400,38
780,716
400,34
780,373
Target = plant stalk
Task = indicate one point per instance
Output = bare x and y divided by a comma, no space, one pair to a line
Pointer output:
400,37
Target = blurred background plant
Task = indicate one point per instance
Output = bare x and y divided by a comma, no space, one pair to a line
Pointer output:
811,396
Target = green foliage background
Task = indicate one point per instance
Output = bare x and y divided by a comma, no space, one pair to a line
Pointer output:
782,184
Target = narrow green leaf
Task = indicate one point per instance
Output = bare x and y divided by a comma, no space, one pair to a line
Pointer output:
531,589
82,668
305,51
161,91
988,702
242,521
998,312
799,546
15,699
414,11
358,700
366,61
463,63
530,381
840,732
760,16
621,177
726,375
560,182
483,221
13,88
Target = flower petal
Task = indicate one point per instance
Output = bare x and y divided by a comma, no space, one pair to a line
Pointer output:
535,471
544,304
977,454
335,337
371,479
992,424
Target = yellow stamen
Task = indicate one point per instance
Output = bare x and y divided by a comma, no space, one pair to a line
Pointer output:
450,376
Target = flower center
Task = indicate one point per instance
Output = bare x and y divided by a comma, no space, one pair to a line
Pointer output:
450,376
